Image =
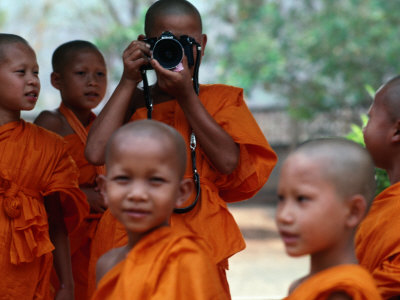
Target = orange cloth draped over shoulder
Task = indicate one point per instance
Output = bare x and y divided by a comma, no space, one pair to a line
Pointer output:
81,239
34,163
210,219
378,241
351,279
163,265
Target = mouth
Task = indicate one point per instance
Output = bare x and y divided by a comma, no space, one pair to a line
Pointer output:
288,238
32,96
92,94
136,213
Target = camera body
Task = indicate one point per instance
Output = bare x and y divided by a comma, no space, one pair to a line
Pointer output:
168,50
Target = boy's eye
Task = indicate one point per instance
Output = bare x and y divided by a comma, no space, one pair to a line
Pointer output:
157,179
80,72
101,74
20,71
280,198
120,179
302,198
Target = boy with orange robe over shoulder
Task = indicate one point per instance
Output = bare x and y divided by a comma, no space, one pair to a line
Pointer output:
145,180
378,238
39,192
324,190
80,74
233,158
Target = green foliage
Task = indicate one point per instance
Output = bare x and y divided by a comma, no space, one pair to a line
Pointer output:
356,135
317,54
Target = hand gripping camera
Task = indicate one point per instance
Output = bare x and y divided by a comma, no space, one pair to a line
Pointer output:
168,50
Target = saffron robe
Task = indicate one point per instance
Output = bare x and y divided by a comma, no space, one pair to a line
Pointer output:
210,219
34,163
351,279
378,241
81,239
163,265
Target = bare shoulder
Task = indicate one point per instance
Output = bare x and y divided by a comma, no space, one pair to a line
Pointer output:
53,121
109,260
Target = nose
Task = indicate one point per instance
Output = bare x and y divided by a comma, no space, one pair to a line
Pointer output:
92,79
284,213
137,192
34,80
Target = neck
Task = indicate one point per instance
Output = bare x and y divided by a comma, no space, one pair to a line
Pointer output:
333,257
9,116
83,115
394,174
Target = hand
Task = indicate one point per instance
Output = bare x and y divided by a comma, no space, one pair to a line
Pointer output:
65,293
95,199
177,84
136,55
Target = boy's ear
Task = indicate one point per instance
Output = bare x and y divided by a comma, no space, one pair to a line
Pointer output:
101,181
396,129
357,210
203,43
55,80
185,190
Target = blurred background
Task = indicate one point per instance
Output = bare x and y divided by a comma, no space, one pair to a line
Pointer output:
309,68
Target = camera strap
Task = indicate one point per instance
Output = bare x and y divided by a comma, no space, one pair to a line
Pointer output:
193,143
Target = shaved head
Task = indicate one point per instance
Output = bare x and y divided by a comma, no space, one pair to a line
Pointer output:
160,132
389,94
7,39
62,55
346,164
167,8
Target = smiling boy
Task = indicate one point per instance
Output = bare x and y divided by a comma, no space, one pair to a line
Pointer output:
145,164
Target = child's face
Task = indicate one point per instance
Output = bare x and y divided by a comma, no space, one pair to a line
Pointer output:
19,78
142,185
310,214
377,132
179,25
83,81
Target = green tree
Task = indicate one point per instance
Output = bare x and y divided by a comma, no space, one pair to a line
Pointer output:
315,54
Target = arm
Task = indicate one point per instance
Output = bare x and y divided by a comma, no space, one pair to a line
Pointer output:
62,256
209,134
113,114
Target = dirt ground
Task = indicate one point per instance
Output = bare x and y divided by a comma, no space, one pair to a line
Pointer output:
262,270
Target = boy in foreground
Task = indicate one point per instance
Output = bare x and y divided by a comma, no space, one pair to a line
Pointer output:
324,191
146,162
378,238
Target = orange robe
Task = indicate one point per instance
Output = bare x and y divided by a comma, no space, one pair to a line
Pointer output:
81,239
163,265
34,163
378,241
352,279
210,219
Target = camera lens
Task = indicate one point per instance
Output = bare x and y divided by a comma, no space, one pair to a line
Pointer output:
168,52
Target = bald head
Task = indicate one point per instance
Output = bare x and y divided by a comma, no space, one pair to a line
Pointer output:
62,55
346,164
389,94
163,8
8,39
158,131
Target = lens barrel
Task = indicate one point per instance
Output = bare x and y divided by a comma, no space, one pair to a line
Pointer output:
168,52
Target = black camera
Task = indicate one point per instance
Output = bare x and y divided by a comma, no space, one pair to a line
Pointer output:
168,50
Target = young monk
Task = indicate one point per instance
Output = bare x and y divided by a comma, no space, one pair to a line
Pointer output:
233,157
325,188
146,162
79,73
378,238
37,175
